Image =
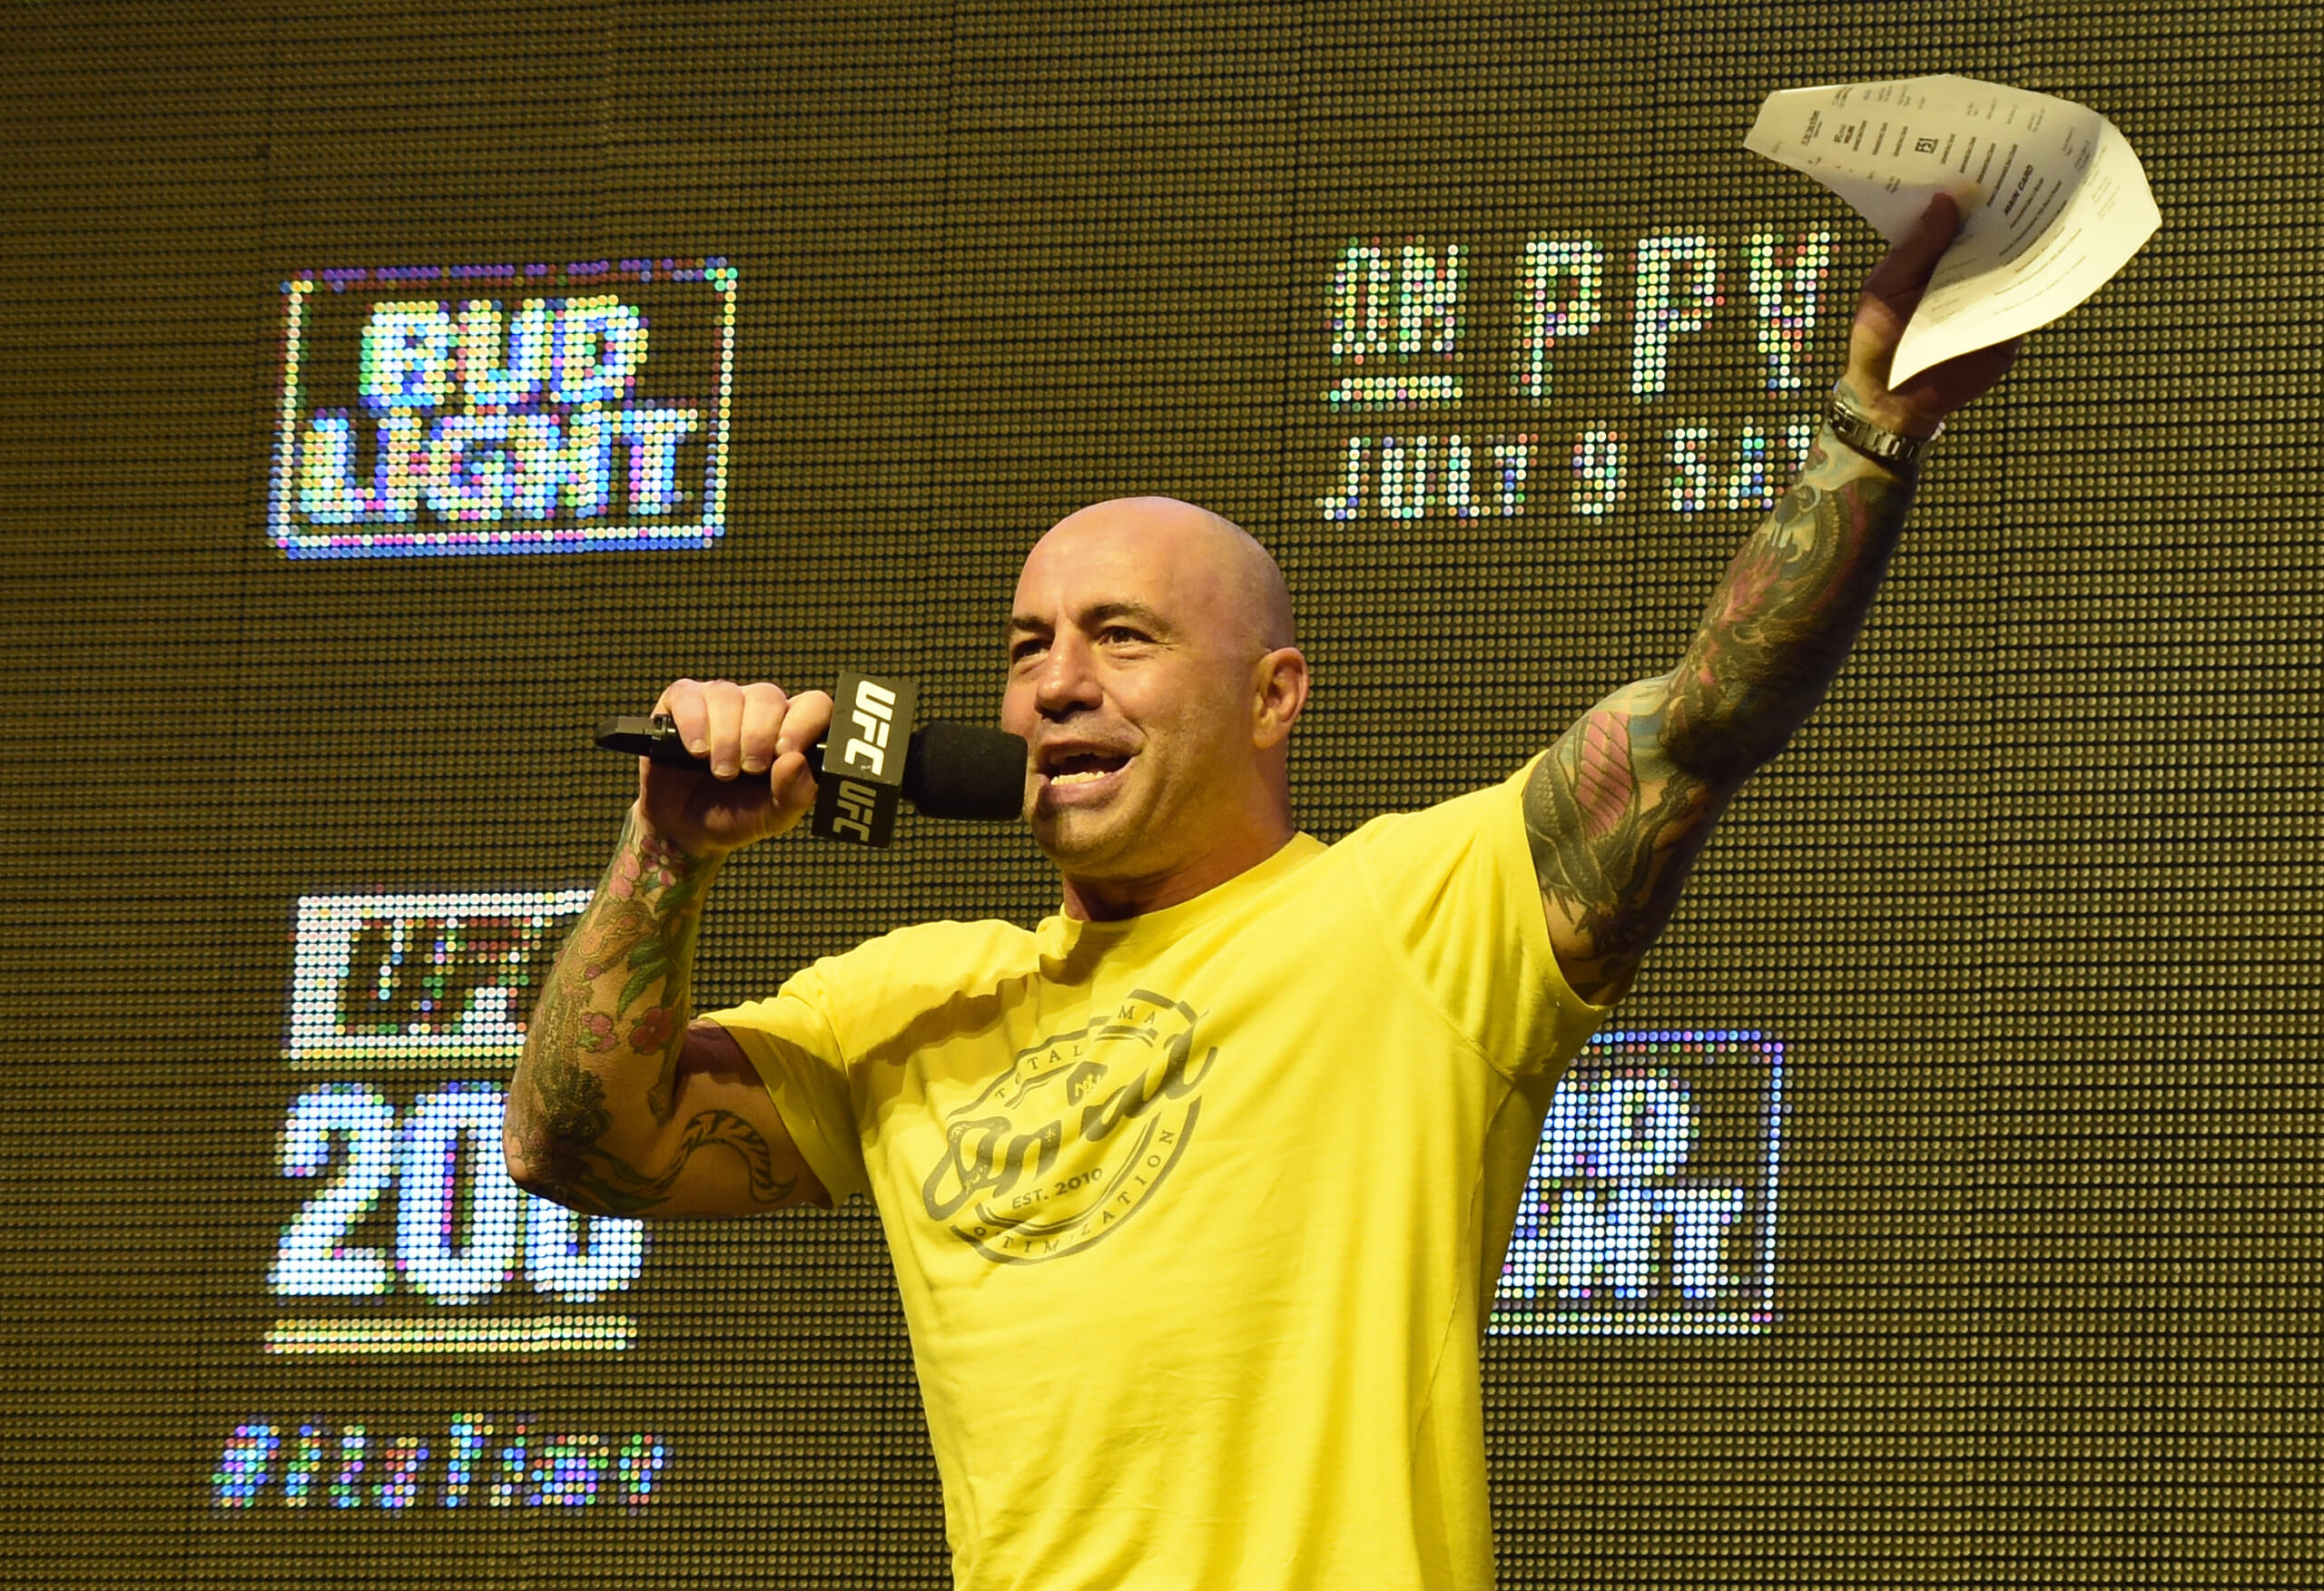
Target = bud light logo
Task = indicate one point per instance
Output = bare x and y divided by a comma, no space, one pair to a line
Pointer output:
1650,1206
506,409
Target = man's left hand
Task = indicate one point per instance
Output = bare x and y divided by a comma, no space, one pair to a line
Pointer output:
1920,404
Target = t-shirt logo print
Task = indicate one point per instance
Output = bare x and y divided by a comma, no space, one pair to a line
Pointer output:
1075,1136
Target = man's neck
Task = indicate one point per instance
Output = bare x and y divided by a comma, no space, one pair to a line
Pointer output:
1117,899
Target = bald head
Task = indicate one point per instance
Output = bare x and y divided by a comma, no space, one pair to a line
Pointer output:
1242,575
1152,671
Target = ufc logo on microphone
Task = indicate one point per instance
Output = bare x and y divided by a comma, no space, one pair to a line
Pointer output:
874,712
857,803
864,763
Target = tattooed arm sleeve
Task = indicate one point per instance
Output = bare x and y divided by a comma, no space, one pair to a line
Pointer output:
620,1104
1618,809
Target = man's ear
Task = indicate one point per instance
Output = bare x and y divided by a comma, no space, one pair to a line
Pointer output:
1280,681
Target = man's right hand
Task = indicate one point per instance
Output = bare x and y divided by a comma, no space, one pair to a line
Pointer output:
758,784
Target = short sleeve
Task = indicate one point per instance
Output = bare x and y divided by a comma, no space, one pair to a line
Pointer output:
790,1040
1456,886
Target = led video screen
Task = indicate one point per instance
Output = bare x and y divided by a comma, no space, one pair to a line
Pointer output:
1939,1208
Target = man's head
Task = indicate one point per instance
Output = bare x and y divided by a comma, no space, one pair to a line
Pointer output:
1152,670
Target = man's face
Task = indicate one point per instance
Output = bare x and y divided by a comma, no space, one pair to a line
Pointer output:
1132,667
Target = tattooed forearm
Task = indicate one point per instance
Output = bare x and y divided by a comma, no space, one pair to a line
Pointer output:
605,1042
1618,809
1782,620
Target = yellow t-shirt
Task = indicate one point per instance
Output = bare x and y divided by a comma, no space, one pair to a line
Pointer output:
1196,1215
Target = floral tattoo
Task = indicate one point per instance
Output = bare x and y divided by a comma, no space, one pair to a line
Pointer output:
621,987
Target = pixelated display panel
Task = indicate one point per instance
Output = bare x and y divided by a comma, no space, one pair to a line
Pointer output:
519,416
1650,1206
1423,322
1481,320
421,981
478,1462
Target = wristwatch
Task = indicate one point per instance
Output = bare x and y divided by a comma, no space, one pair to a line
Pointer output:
1859,432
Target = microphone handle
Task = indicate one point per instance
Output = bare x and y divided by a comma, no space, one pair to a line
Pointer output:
656,740
955,770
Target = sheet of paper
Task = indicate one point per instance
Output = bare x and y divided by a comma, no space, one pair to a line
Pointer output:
2055,199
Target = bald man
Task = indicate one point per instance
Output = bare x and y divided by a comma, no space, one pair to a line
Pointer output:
1197,1192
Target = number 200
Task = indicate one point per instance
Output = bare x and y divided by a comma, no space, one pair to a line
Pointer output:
425,1153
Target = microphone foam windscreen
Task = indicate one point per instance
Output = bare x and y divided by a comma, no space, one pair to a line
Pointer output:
966,770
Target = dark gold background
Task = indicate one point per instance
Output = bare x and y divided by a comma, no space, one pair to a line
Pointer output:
2030,901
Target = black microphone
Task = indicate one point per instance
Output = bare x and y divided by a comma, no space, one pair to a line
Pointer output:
948,770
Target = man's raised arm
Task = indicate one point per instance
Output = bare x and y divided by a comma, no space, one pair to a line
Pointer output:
621,1103
1618,809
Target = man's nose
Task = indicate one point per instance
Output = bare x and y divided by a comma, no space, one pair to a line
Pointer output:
1066,682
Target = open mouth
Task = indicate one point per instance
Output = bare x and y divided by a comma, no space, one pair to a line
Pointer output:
1067,770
